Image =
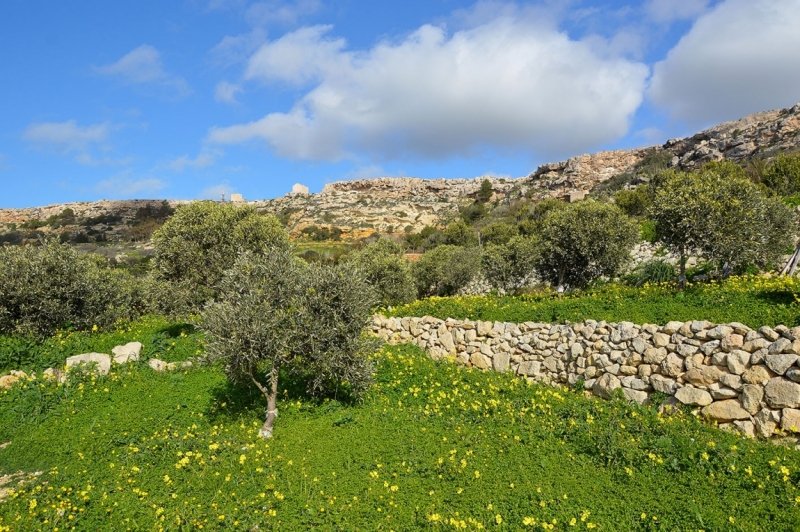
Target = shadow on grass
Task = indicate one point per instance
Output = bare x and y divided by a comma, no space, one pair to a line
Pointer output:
242,397
175,330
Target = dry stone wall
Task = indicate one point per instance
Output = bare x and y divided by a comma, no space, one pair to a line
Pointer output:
741,378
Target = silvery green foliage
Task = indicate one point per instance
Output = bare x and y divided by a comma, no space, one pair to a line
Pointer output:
509,266
44,288
276,312
584,241
719,212
386,270
202,240
443,270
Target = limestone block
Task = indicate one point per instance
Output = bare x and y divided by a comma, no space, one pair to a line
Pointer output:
782,393
702,375
790,420
127,353
757,375
500,362
693,396
752,394
101,361
737,361
605,385
779,363
724,411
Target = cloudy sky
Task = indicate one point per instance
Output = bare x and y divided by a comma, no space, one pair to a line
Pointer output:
195,98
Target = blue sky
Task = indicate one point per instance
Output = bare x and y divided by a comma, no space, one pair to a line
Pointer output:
190,99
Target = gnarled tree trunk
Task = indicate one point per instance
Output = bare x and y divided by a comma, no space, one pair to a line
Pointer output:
271,394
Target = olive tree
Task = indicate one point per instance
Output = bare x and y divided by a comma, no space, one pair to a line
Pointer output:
719,212
783,174
275,313
445,269
583,241
386,270
202,240
509,266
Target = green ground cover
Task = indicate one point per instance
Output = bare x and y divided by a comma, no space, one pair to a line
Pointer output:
434,446
754,301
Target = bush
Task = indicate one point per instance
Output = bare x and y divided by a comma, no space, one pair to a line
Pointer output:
648,231
720,212
633,202
386,270
460,234
275,314
584,241
202,239
654,271
509,266
45,288
498,233
446,269
783,174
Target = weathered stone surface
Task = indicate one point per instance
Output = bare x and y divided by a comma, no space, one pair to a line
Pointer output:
654,355
790,420
127,353
703,375
663,384
731,342
723,411
102,362
756,344
530,368
719,332
635,395
781,345
693,396
672,366
157,365
660,339
673,327
7,381
733,382
500,362
605,385
782,393
756,375
446,339
746,427
724,393
768,333
480,360
576,350
766,422
793,374
737,361
752,394
781,362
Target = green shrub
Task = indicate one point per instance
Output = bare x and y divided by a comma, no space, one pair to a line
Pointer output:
633,202
509,266
446,269
654,271
783,174
648,232
386,270
202,239
498,233
584,241
460,234
44,288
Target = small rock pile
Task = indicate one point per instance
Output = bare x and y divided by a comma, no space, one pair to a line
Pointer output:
741,378
100,363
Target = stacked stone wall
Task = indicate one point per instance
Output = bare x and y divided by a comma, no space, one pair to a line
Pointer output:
741,378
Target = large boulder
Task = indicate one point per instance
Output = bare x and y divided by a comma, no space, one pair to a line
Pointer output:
779,363
99,361
127,353
702,375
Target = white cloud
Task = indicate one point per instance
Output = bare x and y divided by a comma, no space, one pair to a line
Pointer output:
511,82
668,11
741,57
225,92
143,65
67,135
203,160
236,49
123,185
215,192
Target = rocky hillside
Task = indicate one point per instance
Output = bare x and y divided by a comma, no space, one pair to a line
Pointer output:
363,207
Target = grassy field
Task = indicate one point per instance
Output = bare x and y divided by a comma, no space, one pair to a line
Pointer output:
754,301
434,446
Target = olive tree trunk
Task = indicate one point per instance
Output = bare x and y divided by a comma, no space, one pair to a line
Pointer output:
271,395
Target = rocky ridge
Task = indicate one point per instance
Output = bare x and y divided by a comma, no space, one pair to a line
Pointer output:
396,204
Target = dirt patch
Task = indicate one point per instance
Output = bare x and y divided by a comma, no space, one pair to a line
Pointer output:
18,479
